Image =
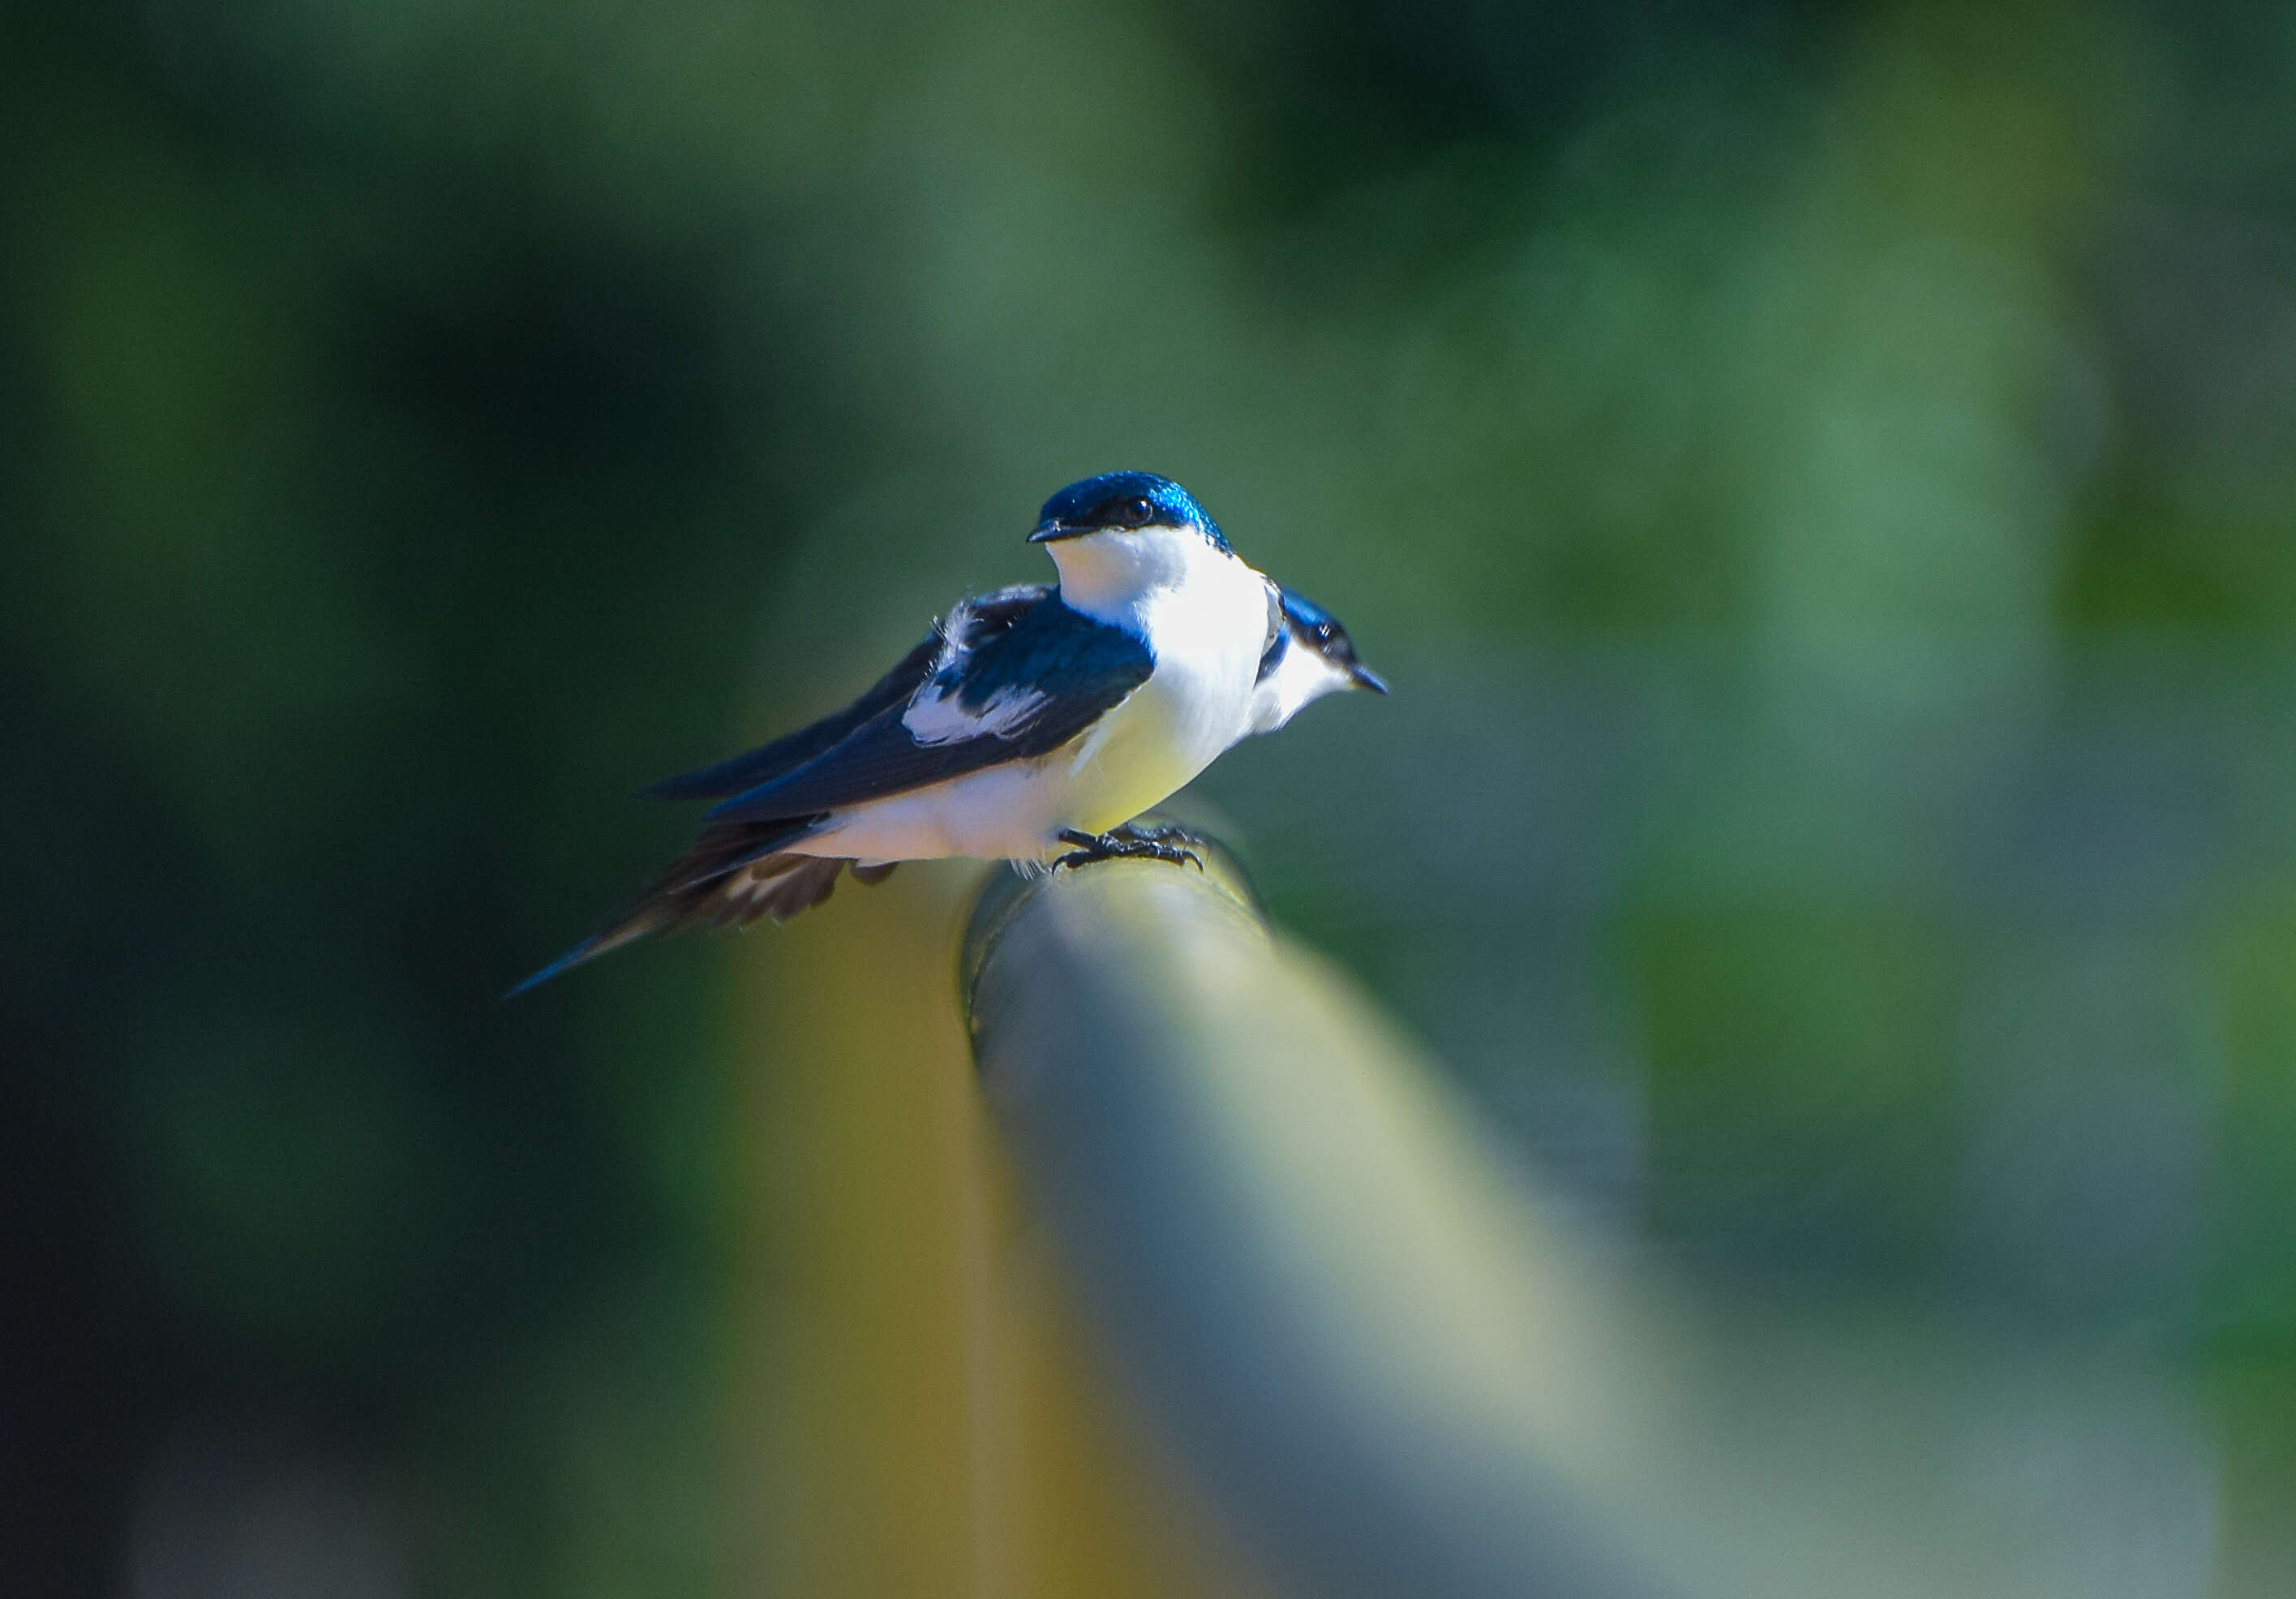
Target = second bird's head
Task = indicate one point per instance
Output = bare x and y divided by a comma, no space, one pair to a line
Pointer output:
1310,656
1127,531
1318,633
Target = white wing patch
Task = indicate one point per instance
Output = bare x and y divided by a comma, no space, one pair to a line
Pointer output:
936,717
955,629
958,629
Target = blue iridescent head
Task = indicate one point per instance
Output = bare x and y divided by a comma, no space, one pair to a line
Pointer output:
1120,502
1310,618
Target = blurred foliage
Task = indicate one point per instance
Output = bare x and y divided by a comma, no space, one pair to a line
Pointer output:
1823,478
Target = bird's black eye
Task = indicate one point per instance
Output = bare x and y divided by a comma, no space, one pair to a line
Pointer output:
1130,513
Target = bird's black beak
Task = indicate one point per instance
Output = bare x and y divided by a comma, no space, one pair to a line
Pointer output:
1363,677
1047,531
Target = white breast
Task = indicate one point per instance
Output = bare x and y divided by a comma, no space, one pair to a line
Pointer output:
1206,620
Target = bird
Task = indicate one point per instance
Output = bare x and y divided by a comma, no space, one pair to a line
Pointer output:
1031,724
1310,656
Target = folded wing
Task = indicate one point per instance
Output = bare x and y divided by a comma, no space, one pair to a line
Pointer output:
1021,691
965,628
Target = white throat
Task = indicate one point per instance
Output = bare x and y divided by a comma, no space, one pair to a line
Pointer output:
1300,677
1120,576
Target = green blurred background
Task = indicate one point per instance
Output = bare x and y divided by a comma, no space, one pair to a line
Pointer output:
1822,478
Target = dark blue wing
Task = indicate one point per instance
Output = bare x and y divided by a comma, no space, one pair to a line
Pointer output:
968,625
1022,693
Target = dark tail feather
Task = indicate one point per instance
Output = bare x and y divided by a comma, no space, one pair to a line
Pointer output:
735,873
586,952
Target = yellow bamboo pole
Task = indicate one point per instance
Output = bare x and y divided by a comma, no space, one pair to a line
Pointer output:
915,1417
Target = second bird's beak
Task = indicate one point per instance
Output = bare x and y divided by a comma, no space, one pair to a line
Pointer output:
1363,677
1046,531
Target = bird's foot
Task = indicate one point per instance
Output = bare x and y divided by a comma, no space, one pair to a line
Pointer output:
1128,843
1164,833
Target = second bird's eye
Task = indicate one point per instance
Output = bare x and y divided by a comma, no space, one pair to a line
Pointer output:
1131,513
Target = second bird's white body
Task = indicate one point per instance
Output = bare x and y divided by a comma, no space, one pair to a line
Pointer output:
1301,676
1206,618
